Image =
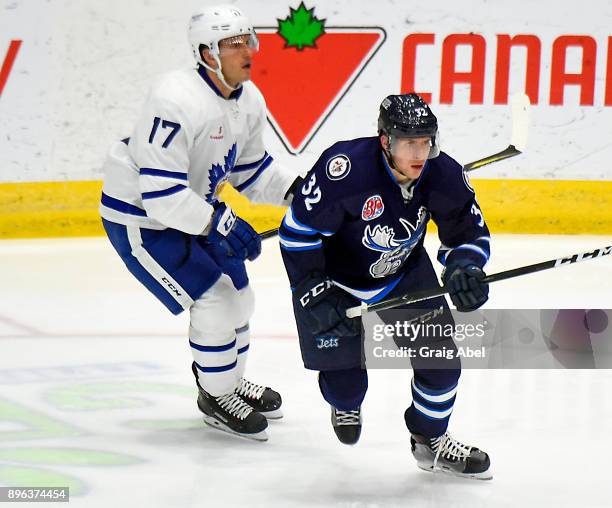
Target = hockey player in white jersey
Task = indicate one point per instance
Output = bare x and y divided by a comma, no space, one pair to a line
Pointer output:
199,128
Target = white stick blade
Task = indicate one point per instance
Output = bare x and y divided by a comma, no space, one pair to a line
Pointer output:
353,312
520,120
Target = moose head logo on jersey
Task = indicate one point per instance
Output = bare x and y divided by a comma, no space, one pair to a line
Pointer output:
394,251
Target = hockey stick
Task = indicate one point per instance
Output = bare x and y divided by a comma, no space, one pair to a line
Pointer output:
518,142
426,294
269,233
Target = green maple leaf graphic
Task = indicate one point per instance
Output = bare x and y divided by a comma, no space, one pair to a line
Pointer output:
301,28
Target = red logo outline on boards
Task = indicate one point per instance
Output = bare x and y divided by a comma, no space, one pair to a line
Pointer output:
304,69
7,64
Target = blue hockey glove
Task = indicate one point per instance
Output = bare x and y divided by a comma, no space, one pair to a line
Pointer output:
323,307
466,289
241,237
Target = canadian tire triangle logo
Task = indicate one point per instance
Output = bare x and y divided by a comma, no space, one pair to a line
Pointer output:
304,69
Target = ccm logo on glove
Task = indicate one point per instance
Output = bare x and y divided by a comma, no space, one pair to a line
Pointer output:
323,307
226,221
314,292
239,235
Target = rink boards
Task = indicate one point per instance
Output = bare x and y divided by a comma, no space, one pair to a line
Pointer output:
54,209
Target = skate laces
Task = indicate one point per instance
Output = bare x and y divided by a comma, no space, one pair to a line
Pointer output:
249,389
348,417
234,405
448,447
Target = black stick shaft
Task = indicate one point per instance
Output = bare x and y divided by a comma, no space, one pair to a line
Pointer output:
496,277
269,233
508,152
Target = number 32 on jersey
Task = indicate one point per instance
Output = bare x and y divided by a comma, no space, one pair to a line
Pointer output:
312,192
476,211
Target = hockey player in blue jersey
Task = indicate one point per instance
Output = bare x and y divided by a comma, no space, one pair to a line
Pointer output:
199,128
354,233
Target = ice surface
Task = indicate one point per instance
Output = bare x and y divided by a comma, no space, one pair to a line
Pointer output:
96,392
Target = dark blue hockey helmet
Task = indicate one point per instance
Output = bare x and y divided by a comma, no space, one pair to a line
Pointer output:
408,116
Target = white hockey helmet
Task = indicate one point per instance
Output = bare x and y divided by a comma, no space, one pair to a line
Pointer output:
209,25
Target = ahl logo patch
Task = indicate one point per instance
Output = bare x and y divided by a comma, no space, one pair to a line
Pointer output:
372,208
338,167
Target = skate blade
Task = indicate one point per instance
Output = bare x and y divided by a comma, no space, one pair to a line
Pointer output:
485,475
275,414
216,424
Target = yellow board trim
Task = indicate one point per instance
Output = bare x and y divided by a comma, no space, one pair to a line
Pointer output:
60,209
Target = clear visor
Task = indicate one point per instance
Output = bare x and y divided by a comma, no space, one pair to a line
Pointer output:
240,42
410,148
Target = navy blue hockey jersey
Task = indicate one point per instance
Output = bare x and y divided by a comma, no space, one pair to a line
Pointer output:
353,222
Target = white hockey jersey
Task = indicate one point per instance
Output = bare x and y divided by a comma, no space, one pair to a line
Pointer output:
188,140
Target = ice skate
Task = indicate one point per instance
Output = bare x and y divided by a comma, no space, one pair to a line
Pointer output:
444,453
262,399
347,425
230,413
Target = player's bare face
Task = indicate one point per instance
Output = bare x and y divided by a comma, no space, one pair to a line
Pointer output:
409,156
236,54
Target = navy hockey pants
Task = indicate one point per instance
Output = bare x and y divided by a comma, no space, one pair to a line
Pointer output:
434,384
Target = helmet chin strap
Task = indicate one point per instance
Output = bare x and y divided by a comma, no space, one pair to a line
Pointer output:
219,73
388,154
390,160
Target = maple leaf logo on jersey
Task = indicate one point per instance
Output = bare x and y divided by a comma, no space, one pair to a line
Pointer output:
218,174
394,251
